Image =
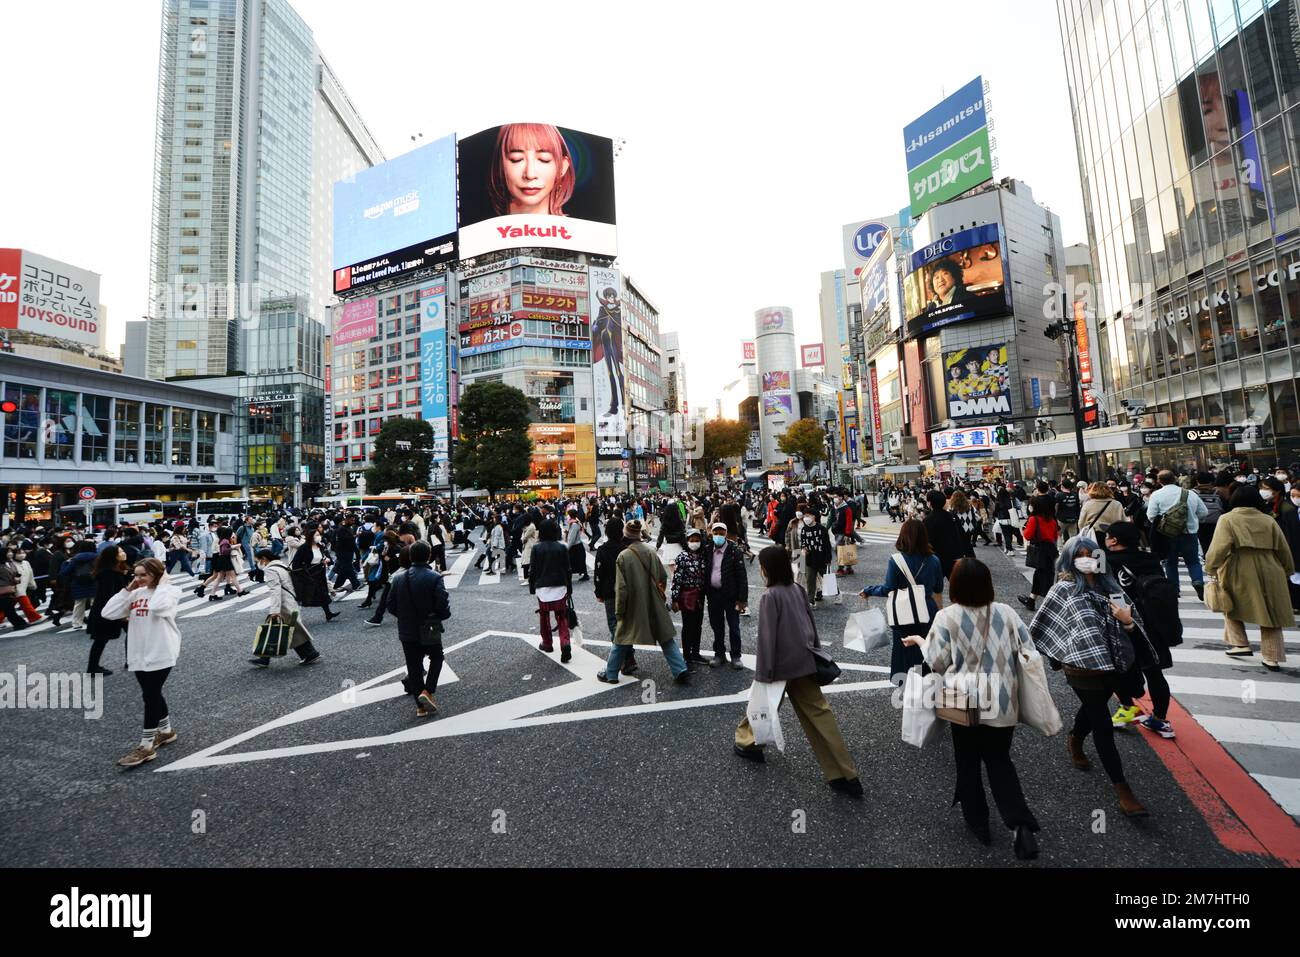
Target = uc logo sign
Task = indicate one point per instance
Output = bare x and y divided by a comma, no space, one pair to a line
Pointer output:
867,239
433,309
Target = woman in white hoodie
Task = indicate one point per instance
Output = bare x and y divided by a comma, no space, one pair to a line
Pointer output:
153,643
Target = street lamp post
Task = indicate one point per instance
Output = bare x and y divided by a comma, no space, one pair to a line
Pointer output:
559,454
1065,327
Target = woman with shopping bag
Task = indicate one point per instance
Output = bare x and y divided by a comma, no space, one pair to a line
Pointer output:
788,649
283,610
914,588
975,646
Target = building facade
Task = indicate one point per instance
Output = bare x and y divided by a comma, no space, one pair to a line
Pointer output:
649,426
1186,125
253,129
125,437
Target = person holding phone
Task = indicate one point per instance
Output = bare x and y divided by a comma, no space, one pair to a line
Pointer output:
1096,640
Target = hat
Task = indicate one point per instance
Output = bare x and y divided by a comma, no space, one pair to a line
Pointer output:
718,525
632,529
694,533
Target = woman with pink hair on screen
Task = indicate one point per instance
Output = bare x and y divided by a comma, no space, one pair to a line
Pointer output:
532,172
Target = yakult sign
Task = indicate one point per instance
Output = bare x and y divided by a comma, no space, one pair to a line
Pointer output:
49,298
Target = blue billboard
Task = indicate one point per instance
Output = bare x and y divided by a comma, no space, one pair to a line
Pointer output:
956,118
389,215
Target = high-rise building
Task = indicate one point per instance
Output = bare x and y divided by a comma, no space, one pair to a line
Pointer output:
1186,124
673,372
253,129
648,414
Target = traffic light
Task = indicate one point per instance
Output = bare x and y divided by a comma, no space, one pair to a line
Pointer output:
1000,435
8,406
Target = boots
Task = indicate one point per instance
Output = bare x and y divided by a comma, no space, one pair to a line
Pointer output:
1077,757
1129,804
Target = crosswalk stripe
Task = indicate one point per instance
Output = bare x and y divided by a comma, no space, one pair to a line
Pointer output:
457,570
1273,734
1196,656
1232,688
1285,791
1212,634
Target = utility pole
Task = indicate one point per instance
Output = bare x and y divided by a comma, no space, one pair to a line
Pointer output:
1065,327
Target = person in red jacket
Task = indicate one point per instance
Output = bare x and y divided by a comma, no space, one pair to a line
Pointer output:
1041,530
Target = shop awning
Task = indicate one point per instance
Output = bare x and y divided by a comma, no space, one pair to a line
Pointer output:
1115,438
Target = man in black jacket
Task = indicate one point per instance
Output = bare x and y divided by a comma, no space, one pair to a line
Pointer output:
605,576
345,555
948,539
551,580
419,602
726,592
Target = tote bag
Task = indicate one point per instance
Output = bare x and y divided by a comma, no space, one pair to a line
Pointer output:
1037,709
906,606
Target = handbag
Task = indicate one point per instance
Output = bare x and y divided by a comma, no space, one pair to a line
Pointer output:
906,606
830,586
846,554
1216,599
572,613
762,712
962,707
867,631
1037,709
827,669
273,637
659,586
689,599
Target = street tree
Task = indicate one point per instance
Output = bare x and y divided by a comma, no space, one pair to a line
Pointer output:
494,448
806,440
723,439
403,456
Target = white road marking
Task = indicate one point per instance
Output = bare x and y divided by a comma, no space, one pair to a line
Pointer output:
1231,688
1285,791
1274,734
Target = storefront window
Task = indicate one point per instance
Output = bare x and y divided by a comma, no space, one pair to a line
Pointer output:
1259,410
1214,409
1186,335
1247,320
94,428
1290,278
1286,416
1268,300
60,425
182,437
22,428
1234,406
126,428
155,434
1223,320
207,440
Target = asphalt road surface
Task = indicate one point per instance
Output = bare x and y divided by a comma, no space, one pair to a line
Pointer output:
531,762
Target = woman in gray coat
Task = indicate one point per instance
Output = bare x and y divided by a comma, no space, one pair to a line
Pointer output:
284,608
787,636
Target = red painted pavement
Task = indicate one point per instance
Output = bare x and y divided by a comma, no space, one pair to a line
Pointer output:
1243,816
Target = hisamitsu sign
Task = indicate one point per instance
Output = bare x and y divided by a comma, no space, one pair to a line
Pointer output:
948,150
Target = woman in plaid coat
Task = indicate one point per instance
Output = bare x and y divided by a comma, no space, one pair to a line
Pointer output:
1099,643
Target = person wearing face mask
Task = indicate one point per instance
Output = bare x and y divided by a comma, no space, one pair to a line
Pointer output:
726,593
1290,525
1040,531
792,530
690,579
1273,492
788,646
815,546
1252,561
1175,515
1086,629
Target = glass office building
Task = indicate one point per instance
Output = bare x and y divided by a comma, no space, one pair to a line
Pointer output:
1186,126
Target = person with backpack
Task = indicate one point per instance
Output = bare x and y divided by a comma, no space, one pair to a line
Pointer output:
1156,599
1068,509
1213,501
420,604
640,590
1099,512
78,572
1176,514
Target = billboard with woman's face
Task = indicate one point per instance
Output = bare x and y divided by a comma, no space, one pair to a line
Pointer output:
956,278
537,185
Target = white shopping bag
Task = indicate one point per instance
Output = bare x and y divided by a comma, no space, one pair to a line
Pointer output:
669,552
920,725
764,700
867,631
830,585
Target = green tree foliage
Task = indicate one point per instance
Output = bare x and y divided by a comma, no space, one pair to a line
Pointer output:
494,448
806,440
723,439
403,457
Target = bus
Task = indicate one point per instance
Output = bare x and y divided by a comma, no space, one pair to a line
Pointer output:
113,511
367,502
209,508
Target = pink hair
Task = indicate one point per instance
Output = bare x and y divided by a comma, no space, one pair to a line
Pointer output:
542,137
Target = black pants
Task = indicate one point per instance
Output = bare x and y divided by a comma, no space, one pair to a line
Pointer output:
1094,717
155,705
347,572
992,747
11,613
440,556
1159,688
724,619
97,646
416,680
378,616
692,627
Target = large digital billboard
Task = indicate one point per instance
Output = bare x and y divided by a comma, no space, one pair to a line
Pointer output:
978,381
533,184
956,278
607,361
397,217
947,149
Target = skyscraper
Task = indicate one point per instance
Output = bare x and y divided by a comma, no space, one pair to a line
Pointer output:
1186,123
253,130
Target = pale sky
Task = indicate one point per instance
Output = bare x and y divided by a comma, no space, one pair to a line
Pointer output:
754,130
